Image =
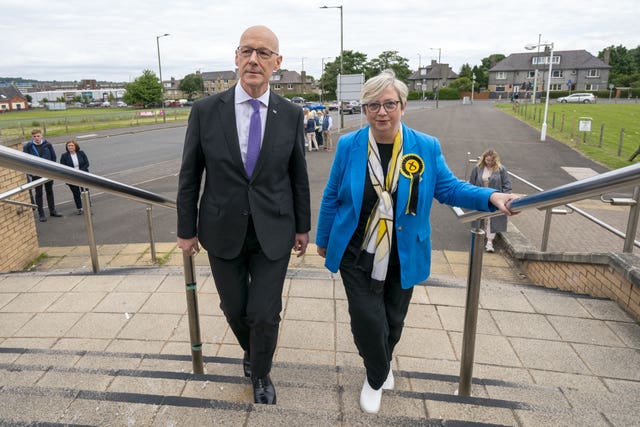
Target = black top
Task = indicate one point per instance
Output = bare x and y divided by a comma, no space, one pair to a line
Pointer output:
369,199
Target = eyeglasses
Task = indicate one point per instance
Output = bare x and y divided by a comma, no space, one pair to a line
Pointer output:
262,52
389,106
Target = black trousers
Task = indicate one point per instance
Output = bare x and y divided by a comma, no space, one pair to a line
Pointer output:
377,319
77,197
250,290
48,188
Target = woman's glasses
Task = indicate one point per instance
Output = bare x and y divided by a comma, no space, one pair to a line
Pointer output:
389,106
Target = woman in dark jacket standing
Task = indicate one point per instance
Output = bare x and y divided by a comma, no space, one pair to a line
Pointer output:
75,158
489,172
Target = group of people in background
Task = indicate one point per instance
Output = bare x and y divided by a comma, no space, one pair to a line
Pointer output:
317,129
72,157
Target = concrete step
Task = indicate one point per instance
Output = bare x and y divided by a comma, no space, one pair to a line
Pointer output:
113,349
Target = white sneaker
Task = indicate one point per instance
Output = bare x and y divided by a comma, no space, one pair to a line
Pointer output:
389,383
370,399
489,247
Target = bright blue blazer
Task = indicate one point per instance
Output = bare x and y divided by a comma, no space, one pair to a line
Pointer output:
342,201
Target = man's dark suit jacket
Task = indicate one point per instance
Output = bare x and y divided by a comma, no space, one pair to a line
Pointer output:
276,196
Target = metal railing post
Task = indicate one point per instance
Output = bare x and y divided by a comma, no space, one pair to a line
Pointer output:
152,242
471,311
545,230
632,222
86,202
192,311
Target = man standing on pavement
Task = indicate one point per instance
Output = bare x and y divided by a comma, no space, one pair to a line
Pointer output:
255,205
40,147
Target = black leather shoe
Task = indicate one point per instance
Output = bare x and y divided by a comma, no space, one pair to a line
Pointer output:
42,218
55,214
246,364
263,391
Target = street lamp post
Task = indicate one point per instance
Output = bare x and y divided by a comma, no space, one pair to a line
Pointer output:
164,116
341,59
439,74
535,73
473,84
543,130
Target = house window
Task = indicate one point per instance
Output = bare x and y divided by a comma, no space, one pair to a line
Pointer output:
423,71
591,86
555,86
290,86
501,75
593,73
556,74
276,87
531,74
500,88
544,60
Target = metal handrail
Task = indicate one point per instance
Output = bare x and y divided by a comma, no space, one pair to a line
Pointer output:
17,160
596,185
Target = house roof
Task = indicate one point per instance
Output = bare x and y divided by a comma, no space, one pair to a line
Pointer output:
286,77
8,92
433,72
218,75
569,59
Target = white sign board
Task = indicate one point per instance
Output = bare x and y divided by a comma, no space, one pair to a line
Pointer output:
349,87
584,124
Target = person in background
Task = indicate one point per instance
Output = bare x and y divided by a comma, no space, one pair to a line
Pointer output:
489,172
255,206
40,147
327,125
310,130
374,224
77,159
319,116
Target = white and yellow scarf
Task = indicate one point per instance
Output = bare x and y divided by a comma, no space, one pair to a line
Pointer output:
376,245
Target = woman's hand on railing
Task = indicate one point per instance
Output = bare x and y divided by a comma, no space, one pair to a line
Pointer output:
189,246
502,201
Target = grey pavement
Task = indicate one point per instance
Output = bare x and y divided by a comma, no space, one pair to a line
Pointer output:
112,348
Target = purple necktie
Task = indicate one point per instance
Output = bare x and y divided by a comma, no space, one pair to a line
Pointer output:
255,136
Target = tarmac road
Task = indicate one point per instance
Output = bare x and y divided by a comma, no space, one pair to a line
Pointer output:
151,160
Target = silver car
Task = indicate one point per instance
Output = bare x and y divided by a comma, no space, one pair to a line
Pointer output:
585,98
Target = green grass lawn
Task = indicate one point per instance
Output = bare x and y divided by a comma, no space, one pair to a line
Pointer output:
603,142
17,125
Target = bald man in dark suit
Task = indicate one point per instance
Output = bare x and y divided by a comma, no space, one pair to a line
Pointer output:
255,206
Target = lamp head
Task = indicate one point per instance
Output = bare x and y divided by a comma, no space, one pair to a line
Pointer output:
531,46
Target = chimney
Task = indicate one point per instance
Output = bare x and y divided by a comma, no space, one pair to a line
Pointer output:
607,56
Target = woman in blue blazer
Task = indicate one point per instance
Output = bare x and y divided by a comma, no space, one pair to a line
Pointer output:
75,158
374,226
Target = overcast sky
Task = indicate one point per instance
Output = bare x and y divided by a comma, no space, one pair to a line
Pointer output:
115,40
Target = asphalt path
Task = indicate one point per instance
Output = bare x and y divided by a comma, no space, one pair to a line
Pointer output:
150,160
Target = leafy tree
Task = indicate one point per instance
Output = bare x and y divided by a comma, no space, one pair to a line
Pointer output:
465,71
145,90
625,65
190,84
461,83
389,60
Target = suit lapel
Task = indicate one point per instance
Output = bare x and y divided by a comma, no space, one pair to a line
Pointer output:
227,111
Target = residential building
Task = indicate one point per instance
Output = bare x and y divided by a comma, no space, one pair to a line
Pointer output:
431,77
571,70
291,82
11,99
218,81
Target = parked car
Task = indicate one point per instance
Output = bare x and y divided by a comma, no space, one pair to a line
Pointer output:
333,106
585,98
121,104
351,107
298,100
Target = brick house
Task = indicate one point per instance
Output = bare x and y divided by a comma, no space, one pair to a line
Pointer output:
11,99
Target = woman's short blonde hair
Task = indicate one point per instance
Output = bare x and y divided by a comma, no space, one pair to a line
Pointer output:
378,84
